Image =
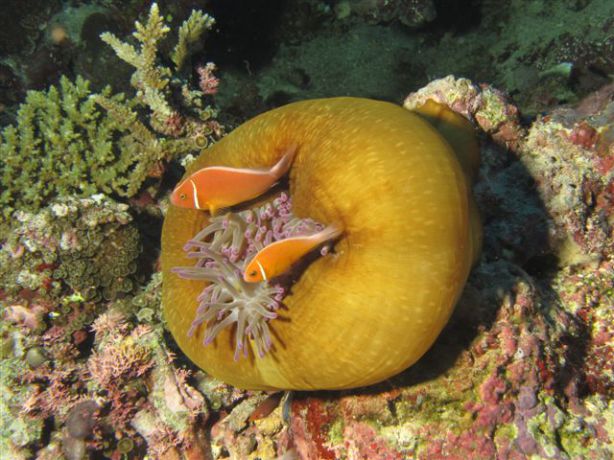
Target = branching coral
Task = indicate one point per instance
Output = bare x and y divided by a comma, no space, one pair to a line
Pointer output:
156,83
189,33
221,251
61,144
68,141
67,252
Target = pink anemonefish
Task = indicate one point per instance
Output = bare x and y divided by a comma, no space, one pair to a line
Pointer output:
218,187
278,257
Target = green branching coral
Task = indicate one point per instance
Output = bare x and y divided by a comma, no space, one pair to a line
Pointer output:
157,84
149,78
189,33
70,142
62,144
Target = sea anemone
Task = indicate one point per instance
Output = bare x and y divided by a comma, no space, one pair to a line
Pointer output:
221,250
397,182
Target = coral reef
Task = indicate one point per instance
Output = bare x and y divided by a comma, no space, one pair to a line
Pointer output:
124,396
69,141
86,248
84,365
87,369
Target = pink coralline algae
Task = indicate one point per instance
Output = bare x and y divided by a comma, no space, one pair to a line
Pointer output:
125,390
120,361
486,106
222,250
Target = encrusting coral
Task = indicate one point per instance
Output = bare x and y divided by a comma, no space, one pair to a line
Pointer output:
86,247
68,141
396,272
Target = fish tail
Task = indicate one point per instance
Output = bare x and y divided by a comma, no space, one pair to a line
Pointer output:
283,165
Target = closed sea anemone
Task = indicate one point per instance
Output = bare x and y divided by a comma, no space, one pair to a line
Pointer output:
397,182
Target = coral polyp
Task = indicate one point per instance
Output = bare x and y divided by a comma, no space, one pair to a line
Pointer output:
222,250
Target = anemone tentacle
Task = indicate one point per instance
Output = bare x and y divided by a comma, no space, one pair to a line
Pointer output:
222,250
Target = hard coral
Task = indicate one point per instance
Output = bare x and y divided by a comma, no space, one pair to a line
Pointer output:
155,85
64,259
60,145
87,247
69,141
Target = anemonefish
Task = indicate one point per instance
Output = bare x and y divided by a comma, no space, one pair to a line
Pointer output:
278,257
218,187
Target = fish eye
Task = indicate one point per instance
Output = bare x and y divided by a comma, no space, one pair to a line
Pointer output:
252,274
182,196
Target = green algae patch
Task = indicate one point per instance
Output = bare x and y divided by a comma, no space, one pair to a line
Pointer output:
335,432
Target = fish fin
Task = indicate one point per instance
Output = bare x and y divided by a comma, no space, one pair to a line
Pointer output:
331,232
283,165
212,210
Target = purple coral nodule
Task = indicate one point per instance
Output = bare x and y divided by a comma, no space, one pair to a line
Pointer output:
222,250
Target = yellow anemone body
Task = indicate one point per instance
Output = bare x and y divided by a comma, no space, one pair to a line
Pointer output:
374,307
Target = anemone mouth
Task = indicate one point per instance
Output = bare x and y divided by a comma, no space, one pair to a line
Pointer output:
222,250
